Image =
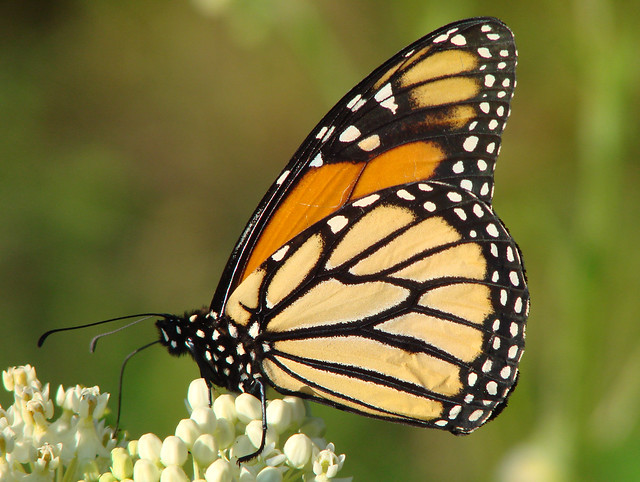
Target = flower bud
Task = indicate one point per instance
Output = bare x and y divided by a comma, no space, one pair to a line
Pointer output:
248,408
198,394
188,431
224,407
121,464
149,447
173,473
219,471
205,418
174,451
297,448
279,415
145,471
269,474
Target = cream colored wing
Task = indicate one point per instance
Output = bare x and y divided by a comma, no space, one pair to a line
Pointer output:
408,304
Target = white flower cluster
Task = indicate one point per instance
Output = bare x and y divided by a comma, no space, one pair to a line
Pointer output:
214,437
34,448
78,445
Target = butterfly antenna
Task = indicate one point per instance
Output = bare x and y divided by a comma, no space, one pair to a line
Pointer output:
124,364
94,340
46,334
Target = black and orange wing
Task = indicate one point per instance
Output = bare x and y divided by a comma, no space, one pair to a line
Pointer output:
434,111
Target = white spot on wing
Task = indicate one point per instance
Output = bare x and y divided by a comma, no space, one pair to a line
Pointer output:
282,177
513,351
278,255
455,411
404,194
489,80
366,201
351,133
517,306
385,98
429,206
328,134
466,184
460,213
459,40
492,388
353,102
317,160
321,132
337,223
493,230
503,298
470,143
370,143
476,415
472,379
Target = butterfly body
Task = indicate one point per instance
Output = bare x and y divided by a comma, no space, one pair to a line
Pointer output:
374,275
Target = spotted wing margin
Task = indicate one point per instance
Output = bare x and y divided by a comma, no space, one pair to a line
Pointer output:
409,305
436,110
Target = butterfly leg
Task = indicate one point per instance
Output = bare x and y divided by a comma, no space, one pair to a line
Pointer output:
260,388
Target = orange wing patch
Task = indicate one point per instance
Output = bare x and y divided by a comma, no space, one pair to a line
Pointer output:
326,189
411,162
320,192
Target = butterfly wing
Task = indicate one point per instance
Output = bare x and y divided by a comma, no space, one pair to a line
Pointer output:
434,111
408,304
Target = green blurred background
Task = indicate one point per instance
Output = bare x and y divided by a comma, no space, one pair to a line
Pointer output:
137,137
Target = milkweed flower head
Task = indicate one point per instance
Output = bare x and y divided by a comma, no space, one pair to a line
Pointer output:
206,446
36,447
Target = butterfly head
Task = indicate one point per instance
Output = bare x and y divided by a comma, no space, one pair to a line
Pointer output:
176,331
214,343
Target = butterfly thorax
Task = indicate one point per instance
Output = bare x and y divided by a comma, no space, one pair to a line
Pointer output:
224,352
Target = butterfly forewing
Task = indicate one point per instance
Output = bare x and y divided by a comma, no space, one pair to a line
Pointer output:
408,304
435,111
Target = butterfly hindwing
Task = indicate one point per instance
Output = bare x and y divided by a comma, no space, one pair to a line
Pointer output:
408,304
434,111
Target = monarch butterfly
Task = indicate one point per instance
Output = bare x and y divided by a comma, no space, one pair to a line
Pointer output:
374,275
